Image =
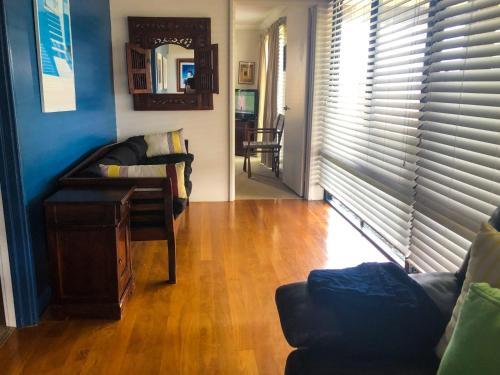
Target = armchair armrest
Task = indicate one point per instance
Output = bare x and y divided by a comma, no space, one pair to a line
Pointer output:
262,130
253,132
304,323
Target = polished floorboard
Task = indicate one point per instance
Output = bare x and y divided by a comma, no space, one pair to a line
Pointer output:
220,318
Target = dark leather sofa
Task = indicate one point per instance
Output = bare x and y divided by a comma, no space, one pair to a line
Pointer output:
317,333
153,208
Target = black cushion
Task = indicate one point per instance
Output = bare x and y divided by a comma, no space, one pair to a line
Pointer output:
139,145
442,287
125,153
179,205
325,362
305,323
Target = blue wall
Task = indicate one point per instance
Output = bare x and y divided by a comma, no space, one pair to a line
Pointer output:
50,143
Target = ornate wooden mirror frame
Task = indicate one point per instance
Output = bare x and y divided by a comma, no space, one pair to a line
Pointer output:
148,33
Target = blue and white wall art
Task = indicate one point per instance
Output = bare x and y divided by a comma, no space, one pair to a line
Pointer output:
55,55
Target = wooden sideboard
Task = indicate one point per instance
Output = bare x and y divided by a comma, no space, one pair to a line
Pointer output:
88,235
240,134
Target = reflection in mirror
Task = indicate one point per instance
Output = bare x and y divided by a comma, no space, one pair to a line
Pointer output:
172,69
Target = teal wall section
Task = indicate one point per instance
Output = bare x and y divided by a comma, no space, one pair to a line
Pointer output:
49,143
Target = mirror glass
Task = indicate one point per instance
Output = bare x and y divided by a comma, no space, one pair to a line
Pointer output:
172,69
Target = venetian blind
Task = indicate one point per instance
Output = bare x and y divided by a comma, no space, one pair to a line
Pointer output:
458,169
371,111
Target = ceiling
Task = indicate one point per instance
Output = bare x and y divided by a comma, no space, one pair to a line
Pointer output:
253,13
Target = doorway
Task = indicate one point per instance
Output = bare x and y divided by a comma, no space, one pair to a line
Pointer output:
266,38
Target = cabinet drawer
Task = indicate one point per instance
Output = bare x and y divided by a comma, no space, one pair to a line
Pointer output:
82,214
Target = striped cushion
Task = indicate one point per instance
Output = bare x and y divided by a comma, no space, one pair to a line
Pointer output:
174,171
165,143
484,267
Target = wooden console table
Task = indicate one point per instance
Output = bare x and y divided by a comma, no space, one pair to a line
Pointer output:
88,235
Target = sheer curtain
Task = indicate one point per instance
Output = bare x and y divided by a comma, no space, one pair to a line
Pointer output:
262,77
272,82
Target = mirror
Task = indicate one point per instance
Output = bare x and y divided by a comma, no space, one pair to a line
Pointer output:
172,70
171,64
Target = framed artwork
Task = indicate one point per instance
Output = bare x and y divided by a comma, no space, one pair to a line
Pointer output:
246,73
185,71
55,55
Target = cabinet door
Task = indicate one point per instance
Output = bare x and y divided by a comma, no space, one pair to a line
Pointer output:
86,265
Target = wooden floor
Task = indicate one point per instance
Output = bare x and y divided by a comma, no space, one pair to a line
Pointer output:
220,318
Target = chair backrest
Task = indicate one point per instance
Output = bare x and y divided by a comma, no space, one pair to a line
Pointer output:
280,128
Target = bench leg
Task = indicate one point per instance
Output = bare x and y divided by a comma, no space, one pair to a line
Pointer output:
172,276
171,252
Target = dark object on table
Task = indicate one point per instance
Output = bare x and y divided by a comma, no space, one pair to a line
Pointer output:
154,209
88,235
318,331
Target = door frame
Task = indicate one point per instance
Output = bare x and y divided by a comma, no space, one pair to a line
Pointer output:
22,270
232,98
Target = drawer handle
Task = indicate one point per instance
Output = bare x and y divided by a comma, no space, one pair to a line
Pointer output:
120,260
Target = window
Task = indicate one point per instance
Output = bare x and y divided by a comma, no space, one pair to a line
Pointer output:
458,176
410,120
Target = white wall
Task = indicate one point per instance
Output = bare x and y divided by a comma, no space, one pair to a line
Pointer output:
247,48
207,131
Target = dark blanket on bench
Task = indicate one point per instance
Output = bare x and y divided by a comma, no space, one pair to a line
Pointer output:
380,308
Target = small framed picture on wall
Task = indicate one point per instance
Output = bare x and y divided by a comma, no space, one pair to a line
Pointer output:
185,72
246,75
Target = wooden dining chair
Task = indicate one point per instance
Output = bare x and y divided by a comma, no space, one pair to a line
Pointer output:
270,144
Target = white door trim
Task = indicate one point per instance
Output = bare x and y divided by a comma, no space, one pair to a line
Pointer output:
232,120
5,276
